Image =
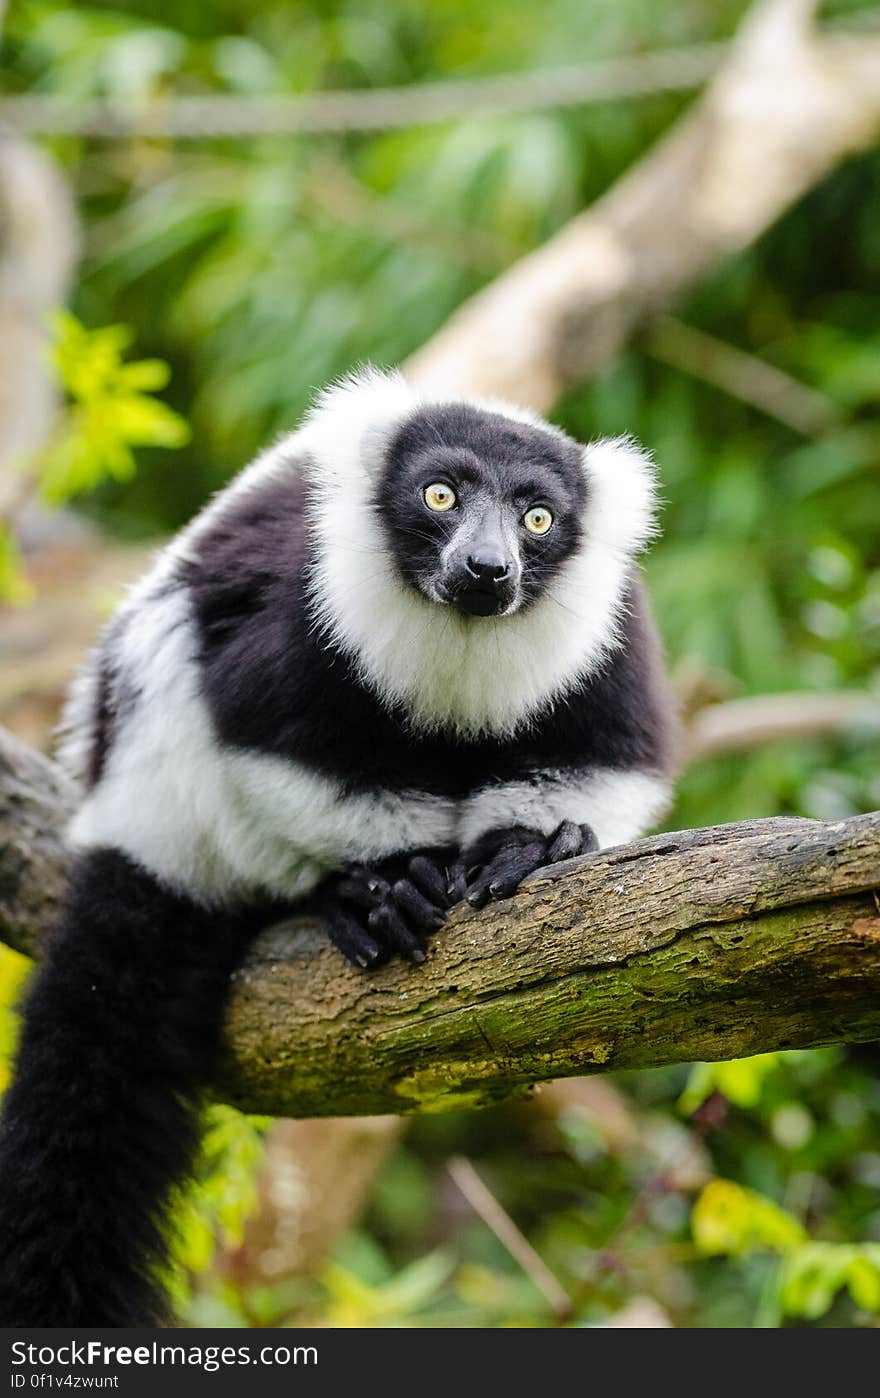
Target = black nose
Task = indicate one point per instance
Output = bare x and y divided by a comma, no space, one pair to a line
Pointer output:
488,567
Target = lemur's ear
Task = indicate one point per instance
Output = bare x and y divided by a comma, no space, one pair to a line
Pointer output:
622,504
351,422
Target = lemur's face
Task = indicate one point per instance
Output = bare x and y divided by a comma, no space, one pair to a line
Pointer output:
481,511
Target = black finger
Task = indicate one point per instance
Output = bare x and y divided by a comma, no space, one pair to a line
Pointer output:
565,842
362,887
589,843
429,878
456,885
387,922
508,878
504,874
415,908
352,940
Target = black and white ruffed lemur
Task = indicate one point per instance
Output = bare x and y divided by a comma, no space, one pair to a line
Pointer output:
403,659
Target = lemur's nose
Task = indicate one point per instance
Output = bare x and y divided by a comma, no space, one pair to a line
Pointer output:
488,566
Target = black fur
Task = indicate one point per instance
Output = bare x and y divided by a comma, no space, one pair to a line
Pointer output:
102,729
275,684
101,1121
495,865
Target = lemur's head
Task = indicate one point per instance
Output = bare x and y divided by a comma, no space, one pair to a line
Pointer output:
480,509
473,559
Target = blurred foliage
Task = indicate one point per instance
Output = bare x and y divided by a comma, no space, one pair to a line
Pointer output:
213,1210
110,410
107,411
730,1221
15,590
256,270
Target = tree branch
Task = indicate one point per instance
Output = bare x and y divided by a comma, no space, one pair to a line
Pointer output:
784,109
703,944
36,801
739,725
740,374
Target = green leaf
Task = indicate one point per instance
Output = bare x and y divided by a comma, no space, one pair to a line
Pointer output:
730,1221
144,375
740,1080
14,969
418,1283
109,412
863,1278
356,1302
814,1274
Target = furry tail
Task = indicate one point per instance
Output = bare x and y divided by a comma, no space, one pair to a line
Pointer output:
102,1118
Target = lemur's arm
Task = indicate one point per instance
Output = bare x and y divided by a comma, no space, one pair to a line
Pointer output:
599,771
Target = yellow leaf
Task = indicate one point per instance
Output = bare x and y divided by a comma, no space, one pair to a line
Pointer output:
728,1220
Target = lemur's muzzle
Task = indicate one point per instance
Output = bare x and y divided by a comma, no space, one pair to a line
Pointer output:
482,579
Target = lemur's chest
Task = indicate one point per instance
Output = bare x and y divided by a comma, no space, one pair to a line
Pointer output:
309,705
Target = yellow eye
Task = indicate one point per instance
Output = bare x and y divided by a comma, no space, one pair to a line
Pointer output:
439,496
537,520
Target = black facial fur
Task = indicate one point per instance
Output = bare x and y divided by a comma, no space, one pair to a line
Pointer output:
478,555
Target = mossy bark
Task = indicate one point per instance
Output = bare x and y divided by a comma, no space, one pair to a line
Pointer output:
703,944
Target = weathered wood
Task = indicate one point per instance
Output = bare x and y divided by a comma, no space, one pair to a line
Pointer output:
36,800
702,944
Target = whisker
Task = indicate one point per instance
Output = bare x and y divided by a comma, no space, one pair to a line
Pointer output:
548,592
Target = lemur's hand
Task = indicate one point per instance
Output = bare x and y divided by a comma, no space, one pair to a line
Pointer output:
495,864
374,911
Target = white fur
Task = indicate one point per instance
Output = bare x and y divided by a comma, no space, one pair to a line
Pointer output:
74,737
470,674
216,821
618,806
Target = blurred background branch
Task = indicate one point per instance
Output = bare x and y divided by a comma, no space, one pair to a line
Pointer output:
780,113
743,375
417,104
741,725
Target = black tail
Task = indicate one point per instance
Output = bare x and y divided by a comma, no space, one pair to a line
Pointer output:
102,1119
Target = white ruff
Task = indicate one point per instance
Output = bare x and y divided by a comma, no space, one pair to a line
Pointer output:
470,674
